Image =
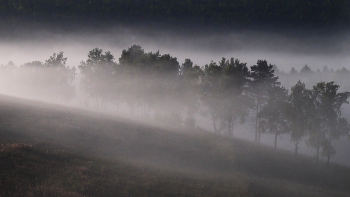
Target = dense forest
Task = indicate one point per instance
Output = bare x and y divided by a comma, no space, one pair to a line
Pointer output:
224,13
227,92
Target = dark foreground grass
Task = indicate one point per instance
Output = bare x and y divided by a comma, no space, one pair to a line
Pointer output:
50,150
40,171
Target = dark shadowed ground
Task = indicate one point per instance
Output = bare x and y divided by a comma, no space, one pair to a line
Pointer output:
55,150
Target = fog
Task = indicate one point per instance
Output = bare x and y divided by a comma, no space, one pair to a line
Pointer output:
283,49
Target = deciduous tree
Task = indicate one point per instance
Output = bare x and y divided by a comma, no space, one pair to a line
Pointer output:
263,79
273,115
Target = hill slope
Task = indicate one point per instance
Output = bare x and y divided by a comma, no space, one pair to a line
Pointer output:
50,150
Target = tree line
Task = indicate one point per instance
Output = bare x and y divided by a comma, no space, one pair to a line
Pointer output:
223,12
307,75
227,92
50,80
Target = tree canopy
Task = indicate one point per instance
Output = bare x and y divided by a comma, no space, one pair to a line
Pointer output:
226,92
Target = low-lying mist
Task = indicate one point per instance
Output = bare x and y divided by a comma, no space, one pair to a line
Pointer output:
286,49
169,88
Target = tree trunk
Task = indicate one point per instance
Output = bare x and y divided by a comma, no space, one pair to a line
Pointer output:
230,126
259,135
328,158
97,104
259,129
318,147
257,121
222,127
329,152
276,134
296,148
275,140
214,124
256,129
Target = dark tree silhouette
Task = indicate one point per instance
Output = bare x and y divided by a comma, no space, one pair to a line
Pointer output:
211,93
135,64
190,77
306,70
274,114
61,76
223,93
263,79
328,104
299,114
98,75
293,71
151,81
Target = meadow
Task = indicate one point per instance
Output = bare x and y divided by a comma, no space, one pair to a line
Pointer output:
53,150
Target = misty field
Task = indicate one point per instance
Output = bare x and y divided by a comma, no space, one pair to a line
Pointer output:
50,150
245,98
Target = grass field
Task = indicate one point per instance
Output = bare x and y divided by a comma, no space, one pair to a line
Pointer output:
51,150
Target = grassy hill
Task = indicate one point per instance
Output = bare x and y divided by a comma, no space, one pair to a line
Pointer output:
51,150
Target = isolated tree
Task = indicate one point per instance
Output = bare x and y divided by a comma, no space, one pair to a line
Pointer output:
306,70
293,71
273,115
263,79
